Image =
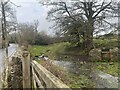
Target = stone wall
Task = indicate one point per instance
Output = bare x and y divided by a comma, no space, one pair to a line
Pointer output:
95,54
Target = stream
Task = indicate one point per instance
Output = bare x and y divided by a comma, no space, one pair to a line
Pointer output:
102,80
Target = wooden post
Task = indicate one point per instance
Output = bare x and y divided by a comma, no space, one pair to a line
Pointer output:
105,51
26,69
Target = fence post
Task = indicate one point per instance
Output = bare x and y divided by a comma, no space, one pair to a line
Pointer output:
26,69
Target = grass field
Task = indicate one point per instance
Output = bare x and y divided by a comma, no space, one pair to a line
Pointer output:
54,49
48,50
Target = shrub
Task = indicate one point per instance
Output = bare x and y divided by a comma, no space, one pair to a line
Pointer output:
106,43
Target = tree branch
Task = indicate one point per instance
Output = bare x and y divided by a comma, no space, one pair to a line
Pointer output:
110,24
103,8
68,11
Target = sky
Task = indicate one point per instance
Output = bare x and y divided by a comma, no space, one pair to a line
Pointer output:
31,10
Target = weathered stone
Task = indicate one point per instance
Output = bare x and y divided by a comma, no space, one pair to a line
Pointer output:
95,54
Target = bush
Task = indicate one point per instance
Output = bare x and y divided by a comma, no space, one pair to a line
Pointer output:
43,39
105,43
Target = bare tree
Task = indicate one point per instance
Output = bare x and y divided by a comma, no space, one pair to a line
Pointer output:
80,18
5,13
10,16
5,41
27,32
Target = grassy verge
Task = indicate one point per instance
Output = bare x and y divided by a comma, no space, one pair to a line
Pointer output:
108,67
48,50
55,50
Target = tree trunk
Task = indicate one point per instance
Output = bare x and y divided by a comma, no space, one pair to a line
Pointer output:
3,35
88,42
6,43
78,39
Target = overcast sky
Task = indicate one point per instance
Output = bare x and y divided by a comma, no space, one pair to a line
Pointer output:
31,10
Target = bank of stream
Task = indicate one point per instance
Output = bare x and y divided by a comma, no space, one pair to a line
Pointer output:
85,75
100,79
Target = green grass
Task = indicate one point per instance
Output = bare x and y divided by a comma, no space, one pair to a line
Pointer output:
49,50
108,67
72,80
106,42
54,50
81,81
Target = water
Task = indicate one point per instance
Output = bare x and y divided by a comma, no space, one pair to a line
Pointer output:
65,64
102,80
74,67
